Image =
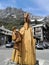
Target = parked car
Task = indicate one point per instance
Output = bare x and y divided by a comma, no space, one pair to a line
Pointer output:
42,45
45,45
39,46
48,44
9,45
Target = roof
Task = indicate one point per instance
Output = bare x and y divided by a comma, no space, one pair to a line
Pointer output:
39,25
32,20
5,31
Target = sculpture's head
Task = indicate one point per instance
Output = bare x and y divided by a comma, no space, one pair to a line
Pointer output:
14,28
26,17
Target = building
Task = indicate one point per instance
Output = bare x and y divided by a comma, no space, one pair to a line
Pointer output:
38,29
5,35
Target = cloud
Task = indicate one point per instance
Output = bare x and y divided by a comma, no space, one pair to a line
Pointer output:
13,1
40,7
43,4
1,6
34,11
7,3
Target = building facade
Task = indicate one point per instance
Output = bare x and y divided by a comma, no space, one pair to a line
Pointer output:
38,29
5,35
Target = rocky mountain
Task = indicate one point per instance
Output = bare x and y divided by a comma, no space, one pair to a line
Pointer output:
46,19
14,17
14,12
36,17
11,16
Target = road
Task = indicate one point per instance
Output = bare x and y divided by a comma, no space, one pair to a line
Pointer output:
41,55
4,55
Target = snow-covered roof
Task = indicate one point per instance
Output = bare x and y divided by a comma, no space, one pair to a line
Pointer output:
40,19
39,25
5,31
32,20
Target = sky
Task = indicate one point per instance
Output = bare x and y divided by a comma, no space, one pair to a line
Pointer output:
36,7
